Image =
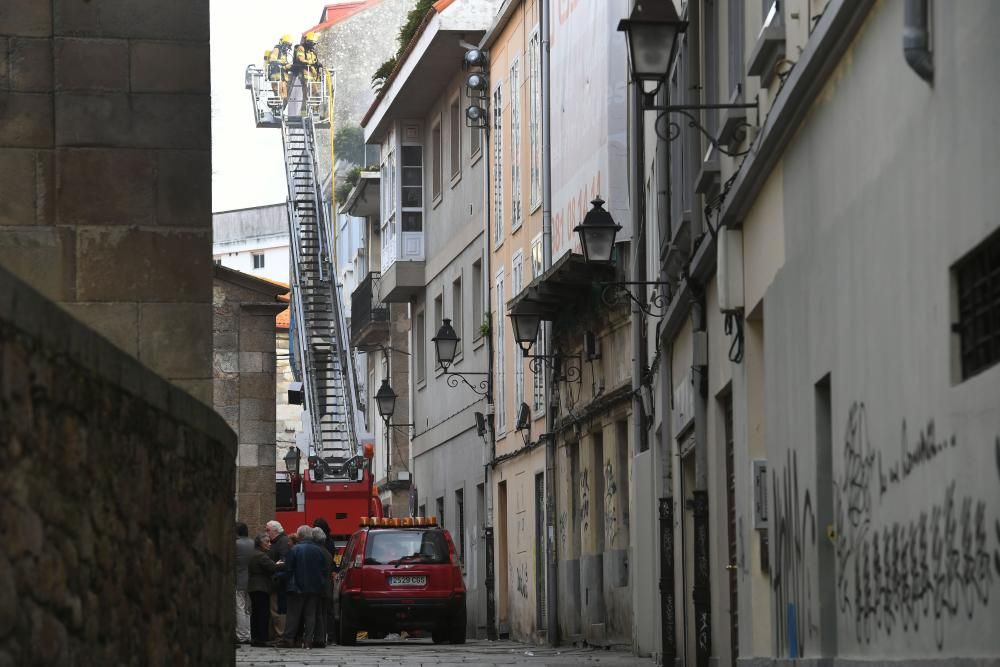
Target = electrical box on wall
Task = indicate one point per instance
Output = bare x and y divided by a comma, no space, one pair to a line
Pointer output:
591,346
729,271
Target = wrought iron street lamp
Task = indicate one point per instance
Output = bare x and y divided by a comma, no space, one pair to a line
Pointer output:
445,347
597,234
291,459
652,31
526,327
385,399
651,25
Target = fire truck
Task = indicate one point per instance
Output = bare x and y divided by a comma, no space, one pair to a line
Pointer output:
336,484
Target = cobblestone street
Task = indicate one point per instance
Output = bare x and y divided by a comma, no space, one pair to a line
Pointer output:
424,652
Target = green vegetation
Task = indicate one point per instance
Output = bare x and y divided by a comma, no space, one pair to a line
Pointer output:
349,144
344,189
409,28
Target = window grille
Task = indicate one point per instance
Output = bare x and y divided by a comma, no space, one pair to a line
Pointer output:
978,281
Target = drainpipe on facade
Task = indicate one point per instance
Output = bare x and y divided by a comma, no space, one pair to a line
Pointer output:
637,170
551,570
491,449
668,607
916,39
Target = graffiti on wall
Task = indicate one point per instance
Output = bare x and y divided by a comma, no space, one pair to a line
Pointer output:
521,579
610,504
794,550
916,573
585,499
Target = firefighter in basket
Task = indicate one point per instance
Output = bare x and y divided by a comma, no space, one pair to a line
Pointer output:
278,64
306,64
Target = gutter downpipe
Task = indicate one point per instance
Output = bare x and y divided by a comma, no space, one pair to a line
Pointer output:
551,570
637,194
489,454
916,39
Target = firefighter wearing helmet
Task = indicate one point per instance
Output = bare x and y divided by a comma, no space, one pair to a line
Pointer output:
306,62
278,65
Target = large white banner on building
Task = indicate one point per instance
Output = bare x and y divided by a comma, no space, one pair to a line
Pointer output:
589,70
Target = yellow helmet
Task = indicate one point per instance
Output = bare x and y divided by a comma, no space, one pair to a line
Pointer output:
286,39
267,55
311,37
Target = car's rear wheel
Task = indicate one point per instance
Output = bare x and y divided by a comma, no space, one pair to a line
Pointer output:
347,634
457,634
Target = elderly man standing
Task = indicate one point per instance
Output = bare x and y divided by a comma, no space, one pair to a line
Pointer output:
244,550
307,573
280,547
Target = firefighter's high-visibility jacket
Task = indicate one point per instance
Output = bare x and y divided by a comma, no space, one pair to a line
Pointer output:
277,66
306,62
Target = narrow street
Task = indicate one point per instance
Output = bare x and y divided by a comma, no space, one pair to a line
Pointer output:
424,652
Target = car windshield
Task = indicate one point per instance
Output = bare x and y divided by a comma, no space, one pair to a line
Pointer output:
390,547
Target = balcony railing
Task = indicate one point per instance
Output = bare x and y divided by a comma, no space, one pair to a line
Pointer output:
367,309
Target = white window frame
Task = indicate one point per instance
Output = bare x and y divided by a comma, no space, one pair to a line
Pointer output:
498,164
515,145
516,284
498,319
535,119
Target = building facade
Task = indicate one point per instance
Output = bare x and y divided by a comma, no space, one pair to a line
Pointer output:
830,440
566,470
382,331
244,331
253,241
431,262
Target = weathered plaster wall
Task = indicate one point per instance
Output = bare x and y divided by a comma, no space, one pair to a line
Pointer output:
105,171
877,211
116,502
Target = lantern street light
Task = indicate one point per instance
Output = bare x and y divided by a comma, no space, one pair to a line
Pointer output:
291,459
446,344
385,399
597,234
445,347
526,326
651,32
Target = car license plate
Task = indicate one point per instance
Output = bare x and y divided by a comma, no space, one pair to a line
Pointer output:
407,580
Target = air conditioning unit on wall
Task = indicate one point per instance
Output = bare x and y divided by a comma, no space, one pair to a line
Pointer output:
729,270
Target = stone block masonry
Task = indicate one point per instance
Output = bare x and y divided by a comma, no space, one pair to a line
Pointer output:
105,170
116,501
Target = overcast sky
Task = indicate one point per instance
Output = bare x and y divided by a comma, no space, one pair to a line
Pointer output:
247,168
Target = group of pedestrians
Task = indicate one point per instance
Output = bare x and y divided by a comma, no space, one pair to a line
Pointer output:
284,586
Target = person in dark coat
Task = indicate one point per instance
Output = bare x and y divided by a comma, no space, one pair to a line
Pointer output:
260,572
280,546
244,549
326,599
307,574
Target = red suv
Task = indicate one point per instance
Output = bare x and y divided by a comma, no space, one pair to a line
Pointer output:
396,575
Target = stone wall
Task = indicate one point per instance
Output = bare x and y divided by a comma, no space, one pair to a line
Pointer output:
115,498
244,356
105,171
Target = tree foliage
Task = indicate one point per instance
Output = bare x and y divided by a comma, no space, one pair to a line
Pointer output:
349,144
406,32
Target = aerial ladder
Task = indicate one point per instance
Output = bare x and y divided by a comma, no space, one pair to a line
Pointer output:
333,435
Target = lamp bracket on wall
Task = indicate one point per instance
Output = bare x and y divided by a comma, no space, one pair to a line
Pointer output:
614,293
673,128
481,387
561,372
